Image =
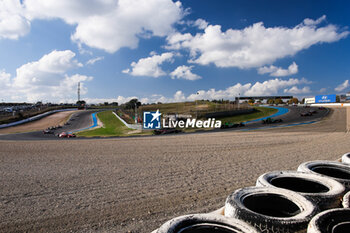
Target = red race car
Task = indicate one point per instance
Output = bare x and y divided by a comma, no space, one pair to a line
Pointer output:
66,135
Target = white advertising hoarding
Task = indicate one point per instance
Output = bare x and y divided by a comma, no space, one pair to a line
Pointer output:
310,100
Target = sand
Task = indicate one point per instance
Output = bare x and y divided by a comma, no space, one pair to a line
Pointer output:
136,184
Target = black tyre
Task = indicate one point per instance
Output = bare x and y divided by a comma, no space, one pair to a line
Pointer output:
338,171
324,192
270,209
346,158
330,221
205,223
346,200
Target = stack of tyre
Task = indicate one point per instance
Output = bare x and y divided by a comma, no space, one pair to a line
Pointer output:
315,198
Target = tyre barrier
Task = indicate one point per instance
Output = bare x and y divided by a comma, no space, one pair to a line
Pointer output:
270,209
346,200
338,171
346,158
330,221
324,192
205,223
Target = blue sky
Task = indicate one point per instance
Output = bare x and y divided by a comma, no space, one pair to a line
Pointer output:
162,50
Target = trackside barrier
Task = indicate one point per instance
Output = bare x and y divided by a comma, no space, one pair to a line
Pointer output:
291,200
34,118
130,126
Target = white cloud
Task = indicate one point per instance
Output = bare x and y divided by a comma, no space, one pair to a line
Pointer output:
184,72
278,71
108,24
269,87
13,24
200,23
149,66
342,86
45,79
308,21
93,60
4,79
47,69
68,86
253,46
297,91
323,90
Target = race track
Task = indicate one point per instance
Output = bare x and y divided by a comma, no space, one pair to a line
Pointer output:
83,119
136,184
78,120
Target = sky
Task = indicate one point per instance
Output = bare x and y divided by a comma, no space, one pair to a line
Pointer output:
172,51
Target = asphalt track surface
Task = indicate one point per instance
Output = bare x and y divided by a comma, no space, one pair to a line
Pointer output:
78,120
83,120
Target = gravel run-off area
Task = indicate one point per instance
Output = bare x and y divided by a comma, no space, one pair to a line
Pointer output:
52,120
136,184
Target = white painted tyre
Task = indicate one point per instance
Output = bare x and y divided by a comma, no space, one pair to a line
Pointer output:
330,221
270,209
336,170
324,192
346,200
346,158
205,223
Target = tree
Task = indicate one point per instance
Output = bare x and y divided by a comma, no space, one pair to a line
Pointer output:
293,101
279,101
115,103
270,101
81,102
337,98
131,104
251,101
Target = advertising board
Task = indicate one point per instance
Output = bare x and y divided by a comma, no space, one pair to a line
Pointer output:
325,99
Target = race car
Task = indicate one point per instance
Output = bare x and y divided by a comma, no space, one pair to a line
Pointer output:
270,120
313,111
66,135
47,131
305,114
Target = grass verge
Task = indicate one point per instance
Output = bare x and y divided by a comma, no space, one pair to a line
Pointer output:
261,112
112,126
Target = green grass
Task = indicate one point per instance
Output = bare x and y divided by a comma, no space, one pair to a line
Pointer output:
112,126
261,112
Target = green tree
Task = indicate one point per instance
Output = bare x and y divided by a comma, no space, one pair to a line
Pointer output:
251,101
337,98
131,104
270,101
279,101
293,101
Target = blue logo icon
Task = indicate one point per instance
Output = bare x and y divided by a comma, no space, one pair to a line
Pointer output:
151,120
